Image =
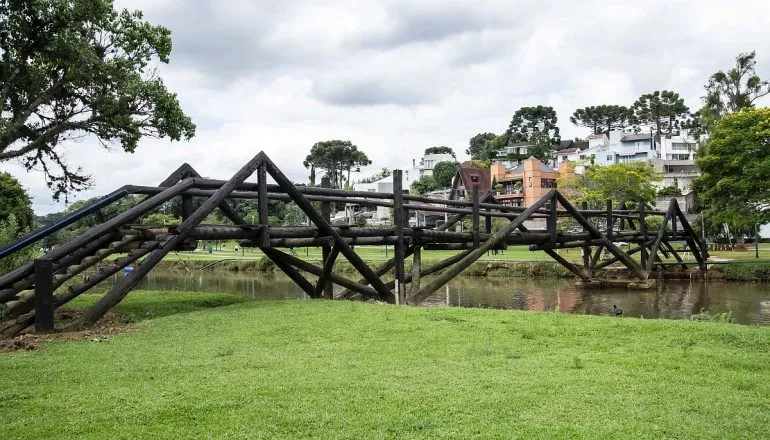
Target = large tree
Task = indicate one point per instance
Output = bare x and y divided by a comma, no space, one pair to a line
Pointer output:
337,158
528,120
541,146
75,68
444,172
15,201
603,118
632,182
482,146
662,110
733,90
735,167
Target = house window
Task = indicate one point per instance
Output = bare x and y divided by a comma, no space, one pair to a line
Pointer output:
564,158
548,183
474,179
609,157
529,181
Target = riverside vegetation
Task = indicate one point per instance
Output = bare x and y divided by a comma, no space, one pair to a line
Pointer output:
217,365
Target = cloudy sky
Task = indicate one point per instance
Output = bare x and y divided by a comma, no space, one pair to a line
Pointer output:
398,76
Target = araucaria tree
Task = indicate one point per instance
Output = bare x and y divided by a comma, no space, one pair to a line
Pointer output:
735,166
337,159
733,90
529,120
73,68
662,110
603,118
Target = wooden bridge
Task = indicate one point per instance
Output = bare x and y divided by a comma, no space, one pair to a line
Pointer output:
30,294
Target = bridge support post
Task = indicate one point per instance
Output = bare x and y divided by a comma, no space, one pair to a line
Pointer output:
326,249
43,296
398,222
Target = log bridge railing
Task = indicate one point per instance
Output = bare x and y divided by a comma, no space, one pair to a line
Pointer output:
30,294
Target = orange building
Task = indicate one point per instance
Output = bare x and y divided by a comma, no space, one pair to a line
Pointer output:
526,183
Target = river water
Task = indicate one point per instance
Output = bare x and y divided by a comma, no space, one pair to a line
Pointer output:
748,303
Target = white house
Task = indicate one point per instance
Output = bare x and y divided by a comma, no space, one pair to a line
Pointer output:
422,166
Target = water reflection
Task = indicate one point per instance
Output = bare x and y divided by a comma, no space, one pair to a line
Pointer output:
749,302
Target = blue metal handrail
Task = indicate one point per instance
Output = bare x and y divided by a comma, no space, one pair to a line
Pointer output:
66,221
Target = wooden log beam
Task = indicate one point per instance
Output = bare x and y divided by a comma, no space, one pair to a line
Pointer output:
497,238
44,296
323,280
658,239
336,279
388,265
326,249
282,262
125,285
399,222
610,246
326,229
414,286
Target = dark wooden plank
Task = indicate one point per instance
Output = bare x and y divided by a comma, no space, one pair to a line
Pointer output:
125,285
323,280
399,224
264,235
326,229
43,296
475,215
326,249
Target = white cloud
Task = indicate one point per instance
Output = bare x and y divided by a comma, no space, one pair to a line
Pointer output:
396,77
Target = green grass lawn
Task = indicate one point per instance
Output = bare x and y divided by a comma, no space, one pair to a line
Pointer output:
219,366
380,253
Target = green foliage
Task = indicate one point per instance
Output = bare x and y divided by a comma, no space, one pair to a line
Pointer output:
424,185
662,110
540,146
629,182
293,215
603,118
10,231
440,150
71,68
15,201
483,146
529,120
735,166
736,89
444,172
653,222
337,158
161,218
670,191
746,271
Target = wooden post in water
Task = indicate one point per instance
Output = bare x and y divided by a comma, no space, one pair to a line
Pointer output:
475,215
414,287
326,249
43,296
586,249
643,230
398,222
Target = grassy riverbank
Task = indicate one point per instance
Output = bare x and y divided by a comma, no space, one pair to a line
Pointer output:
223,366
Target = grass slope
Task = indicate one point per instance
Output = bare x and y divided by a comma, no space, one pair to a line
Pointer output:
219,366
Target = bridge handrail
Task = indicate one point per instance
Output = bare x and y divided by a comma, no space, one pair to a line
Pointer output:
64,222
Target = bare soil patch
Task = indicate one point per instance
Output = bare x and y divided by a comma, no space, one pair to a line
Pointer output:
111,323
